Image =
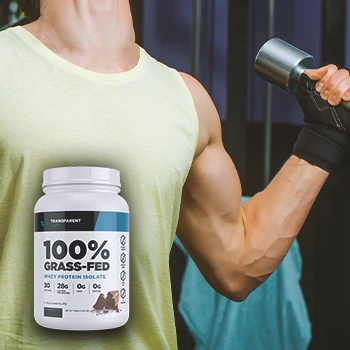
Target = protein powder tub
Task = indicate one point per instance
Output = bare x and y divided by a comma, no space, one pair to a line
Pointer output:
81,257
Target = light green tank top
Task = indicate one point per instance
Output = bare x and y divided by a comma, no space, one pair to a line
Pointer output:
53,114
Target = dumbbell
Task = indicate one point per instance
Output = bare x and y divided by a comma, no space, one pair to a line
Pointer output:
282,65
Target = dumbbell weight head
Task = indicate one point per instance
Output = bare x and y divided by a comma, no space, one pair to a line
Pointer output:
282,64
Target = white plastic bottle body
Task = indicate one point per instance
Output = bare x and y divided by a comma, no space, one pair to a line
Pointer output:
81,258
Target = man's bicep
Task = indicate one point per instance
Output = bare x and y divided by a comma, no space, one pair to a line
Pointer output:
210,203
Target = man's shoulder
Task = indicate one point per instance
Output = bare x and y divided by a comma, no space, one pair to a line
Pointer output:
7,43
208,117
202,99
169,77
6,37
195,94
195,87
8,56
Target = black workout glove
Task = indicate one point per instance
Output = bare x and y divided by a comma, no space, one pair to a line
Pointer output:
323,140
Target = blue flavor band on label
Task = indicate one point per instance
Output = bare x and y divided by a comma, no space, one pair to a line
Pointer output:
110,221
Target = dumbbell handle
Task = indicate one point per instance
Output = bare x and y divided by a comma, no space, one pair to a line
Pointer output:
282,65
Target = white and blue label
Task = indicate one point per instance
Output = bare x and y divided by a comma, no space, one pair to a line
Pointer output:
81,264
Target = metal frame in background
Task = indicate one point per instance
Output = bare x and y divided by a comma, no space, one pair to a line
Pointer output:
196,25
268,100
235,127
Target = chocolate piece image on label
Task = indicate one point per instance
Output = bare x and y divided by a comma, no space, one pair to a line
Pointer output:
100,302
112,300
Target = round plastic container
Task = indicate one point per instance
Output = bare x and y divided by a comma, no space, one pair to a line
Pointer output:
81,250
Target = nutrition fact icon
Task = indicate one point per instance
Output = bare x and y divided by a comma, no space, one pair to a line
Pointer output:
123,275
123,293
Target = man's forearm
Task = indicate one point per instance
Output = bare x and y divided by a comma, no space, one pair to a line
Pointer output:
237,247
273,218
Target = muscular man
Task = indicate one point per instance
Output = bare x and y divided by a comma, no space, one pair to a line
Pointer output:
76,90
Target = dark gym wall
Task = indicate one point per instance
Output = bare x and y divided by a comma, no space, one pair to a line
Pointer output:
167,36
347,34
3,12
298,22
324,238
137,14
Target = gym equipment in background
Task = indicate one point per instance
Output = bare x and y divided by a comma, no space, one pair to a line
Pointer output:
282,65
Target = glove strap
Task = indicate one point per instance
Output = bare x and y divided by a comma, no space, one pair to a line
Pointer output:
321,146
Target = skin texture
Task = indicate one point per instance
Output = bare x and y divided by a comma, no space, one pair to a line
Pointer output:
235,247
96,35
